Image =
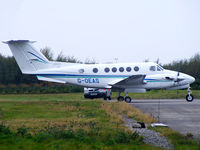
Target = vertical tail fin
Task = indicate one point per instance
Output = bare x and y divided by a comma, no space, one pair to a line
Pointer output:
28,58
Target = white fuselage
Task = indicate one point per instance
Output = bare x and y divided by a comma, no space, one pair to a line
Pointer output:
130,77
106,75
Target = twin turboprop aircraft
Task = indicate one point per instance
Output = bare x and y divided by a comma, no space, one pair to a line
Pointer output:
124,77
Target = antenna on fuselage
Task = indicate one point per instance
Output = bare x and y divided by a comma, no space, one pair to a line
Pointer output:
116,60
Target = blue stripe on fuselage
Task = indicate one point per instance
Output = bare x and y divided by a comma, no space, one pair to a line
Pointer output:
94,76
87,76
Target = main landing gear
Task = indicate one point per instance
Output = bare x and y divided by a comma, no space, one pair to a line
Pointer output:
126,98
189,96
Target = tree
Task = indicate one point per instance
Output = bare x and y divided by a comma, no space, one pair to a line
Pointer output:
70,59
191,66
47,53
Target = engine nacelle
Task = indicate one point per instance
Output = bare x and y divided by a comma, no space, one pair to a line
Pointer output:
134,90
179,87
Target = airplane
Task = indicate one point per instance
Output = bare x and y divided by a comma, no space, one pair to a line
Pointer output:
124,77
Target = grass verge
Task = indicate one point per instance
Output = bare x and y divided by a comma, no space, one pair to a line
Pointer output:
67,121
64,121
179,141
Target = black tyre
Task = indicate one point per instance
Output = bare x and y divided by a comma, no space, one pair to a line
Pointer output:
105,98
190,98
127,99
120,98
86,96
109,98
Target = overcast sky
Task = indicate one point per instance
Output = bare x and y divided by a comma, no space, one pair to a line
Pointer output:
130,30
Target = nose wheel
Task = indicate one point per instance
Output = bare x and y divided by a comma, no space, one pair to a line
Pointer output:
189,96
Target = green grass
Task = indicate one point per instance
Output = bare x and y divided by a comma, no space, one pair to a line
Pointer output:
45,121
162,94
56,138
179,141
42,97
68,121
153,94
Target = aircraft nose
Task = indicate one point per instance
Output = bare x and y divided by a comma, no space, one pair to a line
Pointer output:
190,79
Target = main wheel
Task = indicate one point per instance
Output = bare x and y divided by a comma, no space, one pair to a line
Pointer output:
120,98
127,99
189,97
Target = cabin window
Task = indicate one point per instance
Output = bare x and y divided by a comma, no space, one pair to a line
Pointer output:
114,69
152,68
107,69
95,70
128,69
136,68
121,69
81,70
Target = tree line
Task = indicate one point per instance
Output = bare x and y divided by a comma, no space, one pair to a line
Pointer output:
189,66
13,81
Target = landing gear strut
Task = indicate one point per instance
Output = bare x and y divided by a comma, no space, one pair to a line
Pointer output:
120,98
189,96
126,98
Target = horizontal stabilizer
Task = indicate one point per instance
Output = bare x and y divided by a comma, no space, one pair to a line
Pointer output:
18,41
49,79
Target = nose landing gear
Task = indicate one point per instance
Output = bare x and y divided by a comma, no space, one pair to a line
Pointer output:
120,98
189,96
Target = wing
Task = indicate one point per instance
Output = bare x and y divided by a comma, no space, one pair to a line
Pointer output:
132,80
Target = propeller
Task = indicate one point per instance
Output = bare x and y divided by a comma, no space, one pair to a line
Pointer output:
177,79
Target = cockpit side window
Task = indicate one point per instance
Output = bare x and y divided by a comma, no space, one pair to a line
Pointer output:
152,68
159,68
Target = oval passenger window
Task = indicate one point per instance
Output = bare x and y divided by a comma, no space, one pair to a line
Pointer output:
114,69
121,69
107,69
136,68
95,70
128,69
